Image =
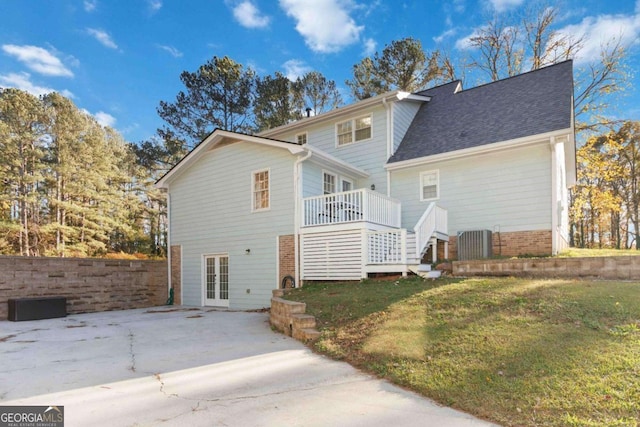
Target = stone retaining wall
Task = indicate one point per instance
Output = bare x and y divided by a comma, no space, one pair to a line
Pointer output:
89,285
611,268
289,318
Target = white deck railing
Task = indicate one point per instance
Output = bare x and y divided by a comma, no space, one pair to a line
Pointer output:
351,206
387,247
432,222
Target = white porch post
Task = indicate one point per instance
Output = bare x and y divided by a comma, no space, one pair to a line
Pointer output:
364,253
434,250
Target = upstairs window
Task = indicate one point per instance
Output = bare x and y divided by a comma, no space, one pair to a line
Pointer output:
261,190
301,138
429,185
354,130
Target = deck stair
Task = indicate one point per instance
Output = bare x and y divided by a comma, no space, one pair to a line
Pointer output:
425,270
416,265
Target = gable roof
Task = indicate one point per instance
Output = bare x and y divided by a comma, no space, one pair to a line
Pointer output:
219,137
216,138
532,103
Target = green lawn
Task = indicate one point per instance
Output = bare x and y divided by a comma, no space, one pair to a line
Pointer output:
517,352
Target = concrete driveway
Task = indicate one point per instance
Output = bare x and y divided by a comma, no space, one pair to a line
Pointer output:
179,366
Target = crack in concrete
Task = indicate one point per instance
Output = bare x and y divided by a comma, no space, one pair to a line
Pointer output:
159,378
247,397
132,368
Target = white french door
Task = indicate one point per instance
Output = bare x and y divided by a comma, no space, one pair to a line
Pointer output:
216,280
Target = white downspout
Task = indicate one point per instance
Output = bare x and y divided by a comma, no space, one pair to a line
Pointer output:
297,191
389,108
169,284
554,198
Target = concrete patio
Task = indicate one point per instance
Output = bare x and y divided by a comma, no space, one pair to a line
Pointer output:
196,367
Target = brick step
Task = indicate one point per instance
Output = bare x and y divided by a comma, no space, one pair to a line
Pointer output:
303,321
282,306
306,334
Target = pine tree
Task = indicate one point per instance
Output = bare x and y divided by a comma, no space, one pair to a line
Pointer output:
21,156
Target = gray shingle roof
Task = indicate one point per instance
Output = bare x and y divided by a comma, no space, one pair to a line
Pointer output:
528,104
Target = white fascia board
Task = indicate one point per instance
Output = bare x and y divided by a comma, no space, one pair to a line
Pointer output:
345,111
407,96
330,160
483,149
214,139
570,159
570,152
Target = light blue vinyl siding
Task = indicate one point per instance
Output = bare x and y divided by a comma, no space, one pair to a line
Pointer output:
369,155
403,114
211,214
510,189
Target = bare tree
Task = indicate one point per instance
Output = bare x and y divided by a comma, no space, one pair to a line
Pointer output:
503,46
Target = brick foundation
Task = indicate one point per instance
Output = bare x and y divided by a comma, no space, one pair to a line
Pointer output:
287,256
90,285
515,243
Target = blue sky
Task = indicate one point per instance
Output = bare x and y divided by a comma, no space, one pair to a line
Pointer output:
118,59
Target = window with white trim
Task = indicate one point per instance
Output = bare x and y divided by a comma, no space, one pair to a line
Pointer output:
328,183
261,196
354,130
301,138
429,185
346,185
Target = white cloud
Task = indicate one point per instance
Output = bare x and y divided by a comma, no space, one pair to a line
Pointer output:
172,50
597,31
370,47
295,68
38,59
154,5
445,35
464,43
248,15
105,119
90,5
325,25
459,6
103,37
504,5
22,81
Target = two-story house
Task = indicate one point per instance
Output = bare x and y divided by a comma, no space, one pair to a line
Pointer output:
378,186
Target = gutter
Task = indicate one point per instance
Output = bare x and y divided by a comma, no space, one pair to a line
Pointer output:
542,138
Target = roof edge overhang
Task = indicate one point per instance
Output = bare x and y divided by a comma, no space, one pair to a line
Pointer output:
393,96
341,165
483,149
215,138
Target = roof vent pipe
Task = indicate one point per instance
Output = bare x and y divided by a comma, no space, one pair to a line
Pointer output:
308,110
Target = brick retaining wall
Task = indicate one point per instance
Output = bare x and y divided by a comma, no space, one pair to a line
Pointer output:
289,318
88,284
611,268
